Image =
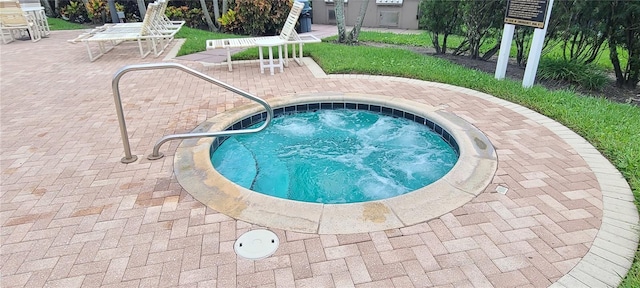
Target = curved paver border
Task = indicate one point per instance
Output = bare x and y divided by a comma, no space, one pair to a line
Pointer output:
611,254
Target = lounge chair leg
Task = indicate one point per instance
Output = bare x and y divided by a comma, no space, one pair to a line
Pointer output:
34,34
286,55
271,60
280,64
301,54
89,51
140,48
293,51
5,40
261,60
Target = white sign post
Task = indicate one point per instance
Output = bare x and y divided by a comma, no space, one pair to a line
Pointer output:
536,46
535,51
505,48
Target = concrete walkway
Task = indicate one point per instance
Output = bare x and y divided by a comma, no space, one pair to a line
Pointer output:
72,215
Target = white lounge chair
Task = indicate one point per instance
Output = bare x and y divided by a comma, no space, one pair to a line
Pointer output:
161,24
34,8
164,20
14,21
146,33
288,34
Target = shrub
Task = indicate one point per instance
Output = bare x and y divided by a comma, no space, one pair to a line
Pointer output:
440,17
96,10
587,76
193,17
74,12
256,17
482,21
229,23
119,7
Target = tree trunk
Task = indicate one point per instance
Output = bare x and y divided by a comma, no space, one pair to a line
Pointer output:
47,8
615,61
491,52
56,6
339,9
111,5
462,48
519,40
444,43
632,71
435,42
216,14
595,50
355,32
633,50
141,7
207,17
474,46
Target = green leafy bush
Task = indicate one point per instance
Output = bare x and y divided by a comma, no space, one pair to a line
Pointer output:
229,22
256,17
441,18
74,12
586,76
193,17
119,7
96,10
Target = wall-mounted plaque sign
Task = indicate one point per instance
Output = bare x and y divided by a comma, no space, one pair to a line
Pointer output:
526,12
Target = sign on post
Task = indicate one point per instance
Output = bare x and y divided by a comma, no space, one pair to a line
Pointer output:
532,13
526,13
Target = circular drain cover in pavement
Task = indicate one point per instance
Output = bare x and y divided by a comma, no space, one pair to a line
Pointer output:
256,244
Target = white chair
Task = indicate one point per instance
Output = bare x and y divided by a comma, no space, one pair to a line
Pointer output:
34,8
13,20
161,24
115,35
163,16
288,34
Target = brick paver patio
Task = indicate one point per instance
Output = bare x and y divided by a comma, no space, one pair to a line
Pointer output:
72,215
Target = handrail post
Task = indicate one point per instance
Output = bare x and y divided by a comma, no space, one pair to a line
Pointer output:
115,86
115,83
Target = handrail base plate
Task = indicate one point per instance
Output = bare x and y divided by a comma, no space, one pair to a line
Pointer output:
126,160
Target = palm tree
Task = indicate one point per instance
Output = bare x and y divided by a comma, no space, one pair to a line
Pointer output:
352,37
207,17
142,8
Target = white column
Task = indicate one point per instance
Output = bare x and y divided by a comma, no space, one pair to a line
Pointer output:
536,49
505,48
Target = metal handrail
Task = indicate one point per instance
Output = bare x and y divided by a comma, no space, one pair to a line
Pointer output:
115,83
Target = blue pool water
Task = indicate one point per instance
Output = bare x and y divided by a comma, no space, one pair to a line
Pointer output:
336,156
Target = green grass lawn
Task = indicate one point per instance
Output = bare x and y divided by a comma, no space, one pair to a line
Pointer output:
60,24
196,39
424,40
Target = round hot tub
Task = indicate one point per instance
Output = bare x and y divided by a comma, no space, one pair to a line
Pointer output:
411,204
336,153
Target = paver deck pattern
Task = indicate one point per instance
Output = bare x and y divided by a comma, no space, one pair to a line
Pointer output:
72,215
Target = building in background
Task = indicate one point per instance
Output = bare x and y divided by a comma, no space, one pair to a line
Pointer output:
402,14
